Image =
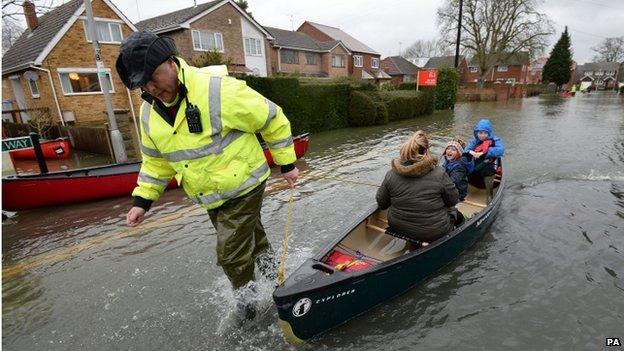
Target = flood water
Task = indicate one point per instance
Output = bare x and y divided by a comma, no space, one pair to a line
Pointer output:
549,274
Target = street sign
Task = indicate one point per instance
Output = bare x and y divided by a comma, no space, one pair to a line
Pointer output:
16,143
428,78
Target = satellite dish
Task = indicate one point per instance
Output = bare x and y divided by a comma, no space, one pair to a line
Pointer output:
31,75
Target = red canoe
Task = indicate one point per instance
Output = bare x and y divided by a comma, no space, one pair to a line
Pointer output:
53,149
24,192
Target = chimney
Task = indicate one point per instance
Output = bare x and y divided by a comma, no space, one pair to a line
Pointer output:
31,15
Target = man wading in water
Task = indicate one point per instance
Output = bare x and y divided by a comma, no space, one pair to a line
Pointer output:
200,128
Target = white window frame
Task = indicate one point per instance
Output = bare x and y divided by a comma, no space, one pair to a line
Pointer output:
30,85
61,71
218,38
342,61
502,68
358,60
374,62
110,31
473,69
257,46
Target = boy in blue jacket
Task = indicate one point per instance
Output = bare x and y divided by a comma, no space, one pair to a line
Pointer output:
457,166
486,148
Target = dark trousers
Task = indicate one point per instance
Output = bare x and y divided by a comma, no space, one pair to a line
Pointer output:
240,235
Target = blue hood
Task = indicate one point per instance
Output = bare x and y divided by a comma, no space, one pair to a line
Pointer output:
486,125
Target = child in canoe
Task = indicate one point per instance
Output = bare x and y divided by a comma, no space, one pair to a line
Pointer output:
486,148
457,165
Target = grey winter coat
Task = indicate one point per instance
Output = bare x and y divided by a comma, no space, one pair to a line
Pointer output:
420,199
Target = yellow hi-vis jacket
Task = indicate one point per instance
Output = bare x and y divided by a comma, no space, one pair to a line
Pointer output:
225,160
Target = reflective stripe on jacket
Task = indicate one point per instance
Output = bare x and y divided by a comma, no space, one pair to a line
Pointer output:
225,160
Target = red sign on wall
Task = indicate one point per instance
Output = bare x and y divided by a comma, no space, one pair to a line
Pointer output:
428,77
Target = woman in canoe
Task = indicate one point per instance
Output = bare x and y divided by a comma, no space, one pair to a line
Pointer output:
419,196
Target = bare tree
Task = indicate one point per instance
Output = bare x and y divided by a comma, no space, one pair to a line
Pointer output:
427,48
13,8
494,30
610,50
11,31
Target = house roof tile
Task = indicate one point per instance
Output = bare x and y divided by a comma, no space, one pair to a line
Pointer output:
350,42
398,65
172,20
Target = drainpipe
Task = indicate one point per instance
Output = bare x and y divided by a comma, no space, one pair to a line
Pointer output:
136,127
279,60
58,107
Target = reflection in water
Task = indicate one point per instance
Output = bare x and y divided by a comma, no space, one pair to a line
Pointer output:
75,277
77,159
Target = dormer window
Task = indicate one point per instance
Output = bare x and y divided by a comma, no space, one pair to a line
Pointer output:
107,31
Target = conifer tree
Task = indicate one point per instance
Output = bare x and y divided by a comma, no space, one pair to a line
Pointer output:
557,68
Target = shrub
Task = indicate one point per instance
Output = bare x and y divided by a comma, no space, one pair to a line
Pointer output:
387,87
362,110
210,58
310,108
446,89
407,86
381,113
403,104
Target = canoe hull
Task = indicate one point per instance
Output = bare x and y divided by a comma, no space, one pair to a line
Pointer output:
341,298
53,149
80,185
300,143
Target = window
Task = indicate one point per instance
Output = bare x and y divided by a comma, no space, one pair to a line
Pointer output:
374,62
358,60
473,69
106,32
407,78
289,56
310,58
338,61
610,73
82,81
34,88
599,73
207,41
253,47
501,68
588,73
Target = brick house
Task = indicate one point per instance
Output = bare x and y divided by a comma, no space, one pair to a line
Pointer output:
400,69
220,26
600,75
512,69
439,62
535,70
52,65
298,53
363,61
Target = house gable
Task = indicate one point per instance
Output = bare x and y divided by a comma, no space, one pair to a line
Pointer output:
112,12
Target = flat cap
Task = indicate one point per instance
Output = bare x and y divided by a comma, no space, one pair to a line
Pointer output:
140,54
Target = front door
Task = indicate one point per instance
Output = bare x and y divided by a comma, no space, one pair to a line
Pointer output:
18,92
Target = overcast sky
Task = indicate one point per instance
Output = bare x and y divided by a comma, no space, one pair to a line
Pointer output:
388,25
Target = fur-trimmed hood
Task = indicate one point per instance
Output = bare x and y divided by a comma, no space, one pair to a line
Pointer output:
414,168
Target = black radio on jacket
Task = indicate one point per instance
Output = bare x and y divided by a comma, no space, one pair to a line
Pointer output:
193,118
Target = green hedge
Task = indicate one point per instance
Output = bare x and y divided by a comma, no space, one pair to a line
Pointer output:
407,86
362,110
446,89
310,108
404,104
319,107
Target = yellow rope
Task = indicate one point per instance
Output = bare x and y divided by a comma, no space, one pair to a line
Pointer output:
284,250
